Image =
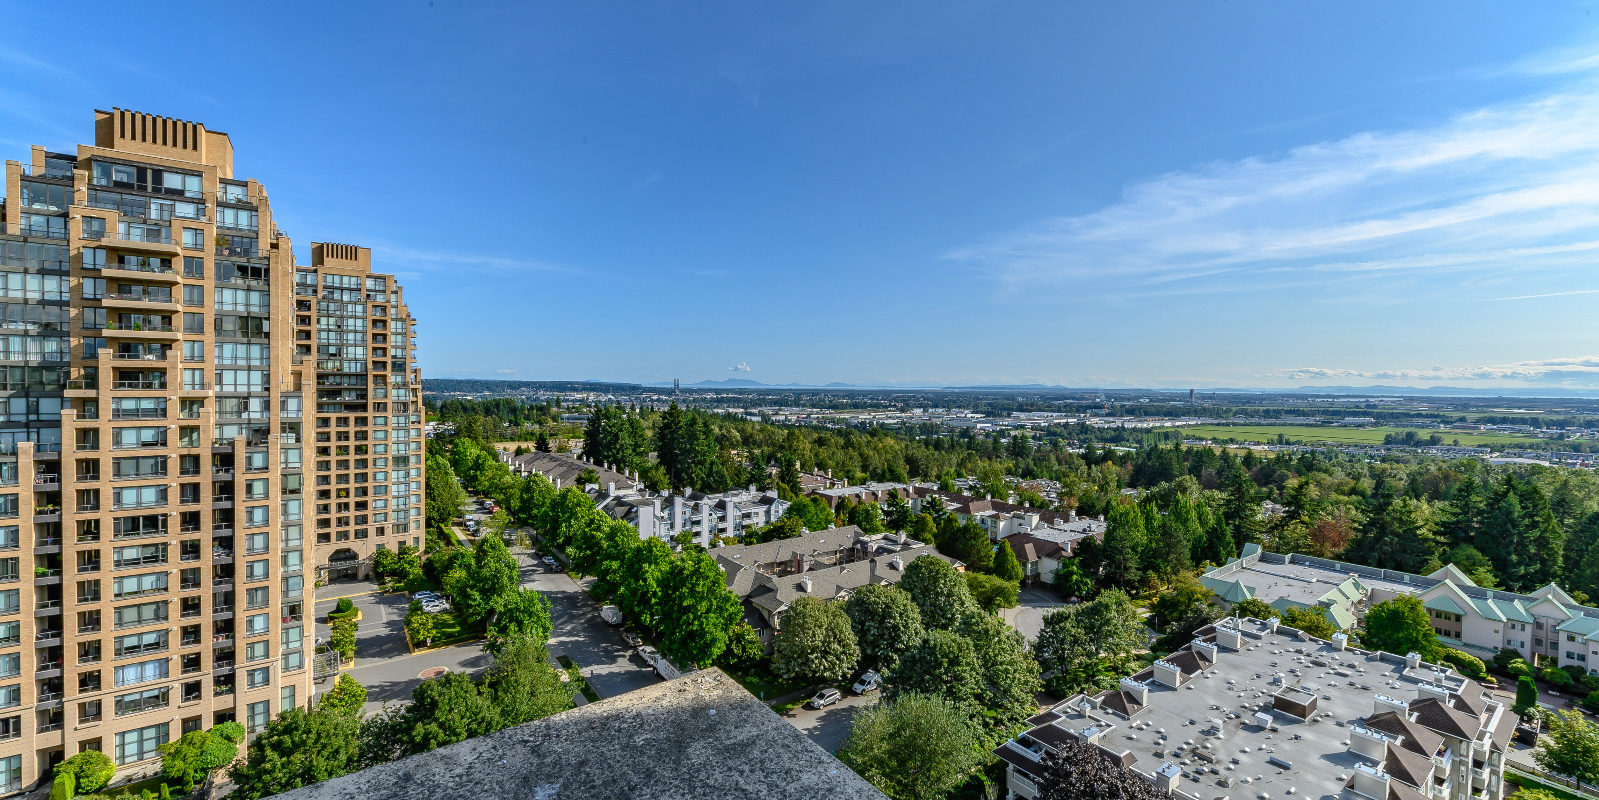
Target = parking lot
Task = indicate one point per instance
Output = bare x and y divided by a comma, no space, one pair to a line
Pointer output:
383,663
1028,617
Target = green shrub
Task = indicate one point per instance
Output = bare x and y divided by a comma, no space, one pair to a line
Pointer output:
61,787
344,606
91,770
230,731
1556,677
1468,664
1591,702
1526,696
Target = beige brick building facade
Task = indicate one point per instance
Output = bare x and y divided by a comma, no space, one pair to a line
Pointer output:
169,460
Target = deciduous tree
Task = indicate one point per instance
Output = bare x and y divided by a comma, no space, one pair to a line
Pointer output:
1572,748
697,610
912,747
940,594
1076,771
298,748
523,614
1399,626
886,622
942,665
815,642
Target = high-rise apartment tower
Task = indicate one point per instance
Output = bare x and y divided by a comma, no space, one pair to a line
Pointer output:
195,432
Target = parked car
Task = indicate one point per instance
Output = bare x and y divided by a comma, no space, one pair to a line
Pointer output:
824,698
869,682
549,561
611,614
632,639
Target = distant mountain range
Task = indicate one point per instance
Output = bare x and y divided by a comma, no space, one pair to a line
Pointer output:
746,383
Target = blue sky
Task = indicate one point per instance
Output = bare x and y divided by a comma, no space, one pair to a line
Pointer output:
1153,194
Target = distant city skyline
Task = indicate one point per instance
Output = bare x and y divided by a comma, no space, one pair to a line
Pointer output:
1241,195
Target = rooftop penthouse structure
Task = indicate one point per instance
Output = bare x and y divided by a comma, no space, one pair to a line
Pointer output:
1253,709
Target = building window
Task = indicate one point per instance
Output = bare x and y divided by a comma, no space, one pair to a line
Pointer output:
258,677
257,714
258,650
140,744
146,700
143,672
193,239
11,770
256,570
256,624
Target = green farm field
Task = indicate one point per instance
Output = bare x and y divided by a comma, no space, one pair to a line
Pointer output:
1335,435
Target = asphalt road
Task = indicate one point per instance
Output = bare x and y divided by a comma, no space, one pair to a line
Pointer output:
383,663
578,632
830,726
1028,617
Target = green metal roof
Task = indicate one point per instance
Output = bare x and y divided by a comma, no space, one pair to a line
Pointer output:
1444,603
1228,591
1512,610
1581,625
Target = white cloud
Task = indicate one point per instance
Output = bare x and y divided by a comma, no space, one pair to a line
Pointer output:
742,366
1569,371
1511,189
397,256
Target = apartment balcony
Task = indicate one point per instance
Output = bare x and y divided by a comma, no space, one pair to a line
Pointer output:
148,273
139,302
46,482
139,386
139,243
146,333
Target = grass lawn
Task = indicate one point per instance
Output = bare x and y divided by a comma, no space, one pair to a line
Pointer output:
1522,781
760,682
1351,436
450,631
577,680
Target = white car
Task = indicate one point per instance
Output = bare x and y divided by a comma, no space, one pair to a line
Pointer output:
870,682
824,698
435,606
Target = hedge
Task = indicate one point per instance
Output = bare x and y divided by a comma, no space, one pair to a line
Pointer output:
1468,664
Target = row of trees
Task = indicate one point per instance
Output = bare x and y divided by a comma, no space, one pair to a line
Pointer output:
959,678
680,597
